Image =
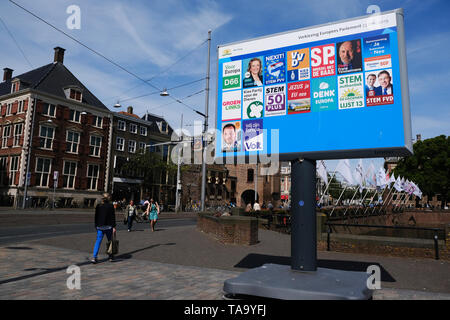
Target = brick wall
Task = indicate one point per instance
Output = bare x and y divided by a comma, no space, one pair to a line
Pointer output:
230,230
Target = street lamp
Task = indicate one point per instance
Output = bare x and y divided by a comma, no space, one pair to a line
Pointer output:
164,93
117,105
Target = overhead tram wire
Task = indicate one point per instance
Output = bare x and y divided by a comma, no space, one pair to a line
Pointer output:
155,92
159,74
15,41
100,55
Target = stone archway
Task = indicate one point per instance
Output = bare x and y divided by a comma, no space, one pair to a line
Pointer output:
248,196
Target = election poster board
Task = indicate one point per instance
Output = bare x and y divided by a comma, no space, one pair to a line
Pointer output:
338,90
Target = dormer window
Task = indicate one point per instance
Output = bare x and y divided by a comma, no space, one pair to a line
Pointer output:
164,126
15,86
73,93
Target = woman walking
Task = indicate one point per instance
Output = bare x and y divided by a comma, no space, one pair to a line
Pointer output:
130,214
153,211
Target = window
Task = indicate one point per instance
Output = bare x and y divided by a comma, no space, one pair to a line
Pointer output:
143,131
8,109
121,125
94,146
17,134
49,110
131,146
97,121
73,140
92,175
42,171
250,174
75,94
20,106
15,86
3,171
70,170
46,135
142,147
164,127
13,169
133,128
6,134
120,142
75,115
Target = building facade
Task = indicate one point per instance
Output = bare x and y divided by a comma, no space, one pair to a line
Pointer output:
132,136
55,136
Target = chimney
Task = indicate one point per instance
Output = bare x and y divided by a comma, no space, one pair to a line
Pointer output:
418,137
7,74
59,54
130,110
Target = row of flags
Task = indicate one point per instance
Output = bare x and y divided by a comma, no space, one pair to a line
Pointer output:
371,178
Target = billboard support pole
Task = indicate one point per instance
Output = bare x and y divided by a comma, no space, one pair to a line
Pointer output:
303,217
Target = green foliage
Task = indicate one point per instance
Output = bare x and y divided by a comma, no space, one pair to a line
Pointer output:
429,166
151,167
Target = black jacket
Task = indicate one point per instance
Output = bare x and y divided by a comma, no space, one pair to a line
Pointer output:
105,215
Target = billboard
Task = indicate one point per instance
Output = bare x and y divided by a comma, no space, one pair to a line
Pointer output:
338,90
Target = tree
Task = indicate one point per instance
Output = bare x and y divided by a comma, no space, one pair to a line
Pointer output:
150,166
429,167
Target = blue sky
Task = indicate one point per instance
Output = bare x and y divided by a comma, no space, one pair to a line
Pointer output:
147,37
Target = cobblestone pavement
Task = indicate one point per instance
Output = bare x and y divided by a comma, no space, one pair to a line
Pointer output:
182,263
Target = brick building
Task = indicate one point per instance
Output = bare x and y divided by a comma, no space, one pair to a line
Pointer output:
49,117
131,136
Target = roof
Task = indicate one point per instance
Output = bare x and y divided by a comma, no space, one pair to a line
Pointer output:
52,78
129,114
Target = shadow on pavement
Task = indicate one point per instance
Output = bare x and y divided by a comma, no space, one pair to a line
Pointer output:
118,258
254,260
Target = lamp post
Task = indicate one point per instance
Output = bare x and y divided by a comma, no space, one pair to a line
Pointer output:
206,123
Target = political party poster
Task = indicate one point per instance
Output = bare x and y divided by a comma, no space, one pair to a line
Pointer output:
349,57
231,105
231,77
324,94
231,136
253,135
253,72
379,87
298,65
275,98
274,69
252,102
320,83
351,91
299,98
323,59
377,52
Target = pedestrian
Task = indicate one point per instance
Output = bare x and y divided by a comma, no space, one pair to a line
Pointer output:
130,214
152,212
105,223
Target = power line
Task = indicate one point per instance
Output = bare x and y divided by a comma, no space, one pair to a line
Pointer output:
155,92
167,69
99,54
15,41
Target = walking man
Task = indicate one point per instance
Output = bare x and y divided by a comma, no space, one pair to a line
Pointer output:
105,223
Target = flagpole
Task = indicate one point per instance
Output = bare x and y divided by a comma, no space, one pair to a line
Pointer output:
384,202
362,200
329,182
338,201
351,201
368,206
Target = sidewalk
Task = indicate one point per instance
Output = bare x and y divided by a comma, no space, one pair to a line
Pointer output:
182,263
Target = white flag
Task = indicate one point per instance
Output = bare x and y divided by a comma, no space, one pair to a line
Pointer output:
398,184
417,191
391,179
370,175
381,178
322,171
343,168
359,176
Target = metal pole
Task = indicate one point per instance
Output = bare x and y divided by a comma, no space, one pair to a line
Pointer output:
30,142
351,201
303,226
362,200
256,183
206,123
338,201
178,194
